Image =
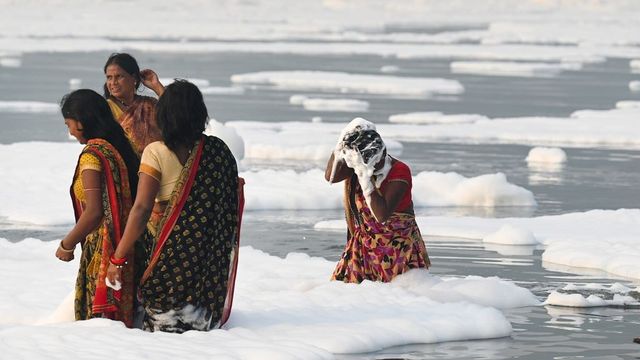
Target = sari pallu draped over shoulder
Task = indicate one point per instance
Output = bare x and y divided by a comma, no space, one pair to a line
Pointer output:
93,298
138,122
188,282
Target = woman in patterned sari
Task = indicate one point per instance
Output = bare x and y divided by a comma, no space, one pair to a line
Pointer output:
188,201
135,113
383,238
101,196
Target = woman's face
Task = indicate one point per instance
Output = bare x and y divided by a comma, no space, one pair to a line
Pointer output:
119,82
75,129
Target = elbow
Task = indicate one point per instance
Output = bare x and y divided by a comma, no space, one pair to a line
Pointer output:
141,212
93,216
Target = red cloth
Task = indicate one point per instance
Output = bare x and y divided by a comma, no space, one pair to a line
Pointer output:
399,171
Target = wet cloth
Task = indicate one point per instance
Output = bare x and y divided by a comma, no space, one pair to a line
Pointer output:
92,297
138,121
186,282
379,251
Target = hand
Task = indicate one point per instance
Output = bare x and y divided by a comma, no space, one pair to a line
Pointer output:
114,274
150,79
64,255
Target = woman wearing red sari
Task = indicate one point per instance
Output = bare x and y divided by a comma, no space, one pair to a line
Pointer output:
187,215
383,237
102,198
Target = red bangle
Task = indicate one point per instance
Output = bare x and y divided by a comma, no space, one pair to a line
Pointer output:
118,262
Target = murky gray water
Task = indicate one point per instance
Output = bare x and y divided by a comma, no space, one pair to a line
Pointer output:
592,179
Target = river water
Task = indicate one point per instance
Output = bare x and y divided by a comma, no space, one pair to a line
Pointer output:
592,179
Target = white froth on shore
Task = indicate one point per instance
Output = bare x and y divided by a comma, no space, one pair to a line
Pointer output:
283,307
593,295
45,199
628,104
596,240
29,107
434,117
295,140
496,29
200,83
323,104
521,69
544,156
229,135
389,69
340,82
581,129
10,62
511,235
452,189
222,90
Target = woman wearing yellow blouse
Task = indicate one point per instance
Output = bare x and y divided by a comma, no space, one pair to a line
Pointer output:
189,188
102,196
135,113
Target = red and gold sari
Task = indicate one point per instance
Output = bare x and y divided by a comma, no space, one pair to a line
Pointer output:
138,121
93,298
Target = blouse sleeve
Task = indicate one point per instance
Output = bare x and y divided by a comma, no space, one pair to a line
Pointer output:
150,162
400,172
89,161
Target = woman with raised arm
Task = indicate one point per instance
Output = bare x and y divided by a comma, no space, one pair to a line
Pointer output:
188,201
101,191
383,238
135,113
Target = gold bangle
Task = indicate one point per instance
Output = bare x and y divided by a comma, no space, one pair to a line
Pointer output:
65,250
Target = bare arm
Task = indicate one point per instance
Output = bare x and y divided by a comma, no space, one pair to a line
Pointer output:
384,205
148,188
341,172
150,79
91,214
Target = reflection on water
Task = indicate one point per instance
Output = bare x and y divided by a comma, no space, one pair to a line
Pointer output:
511,250
545,173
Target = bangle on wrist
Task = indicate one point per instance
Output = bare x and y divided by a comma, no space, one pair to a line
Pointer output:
61,247
119,263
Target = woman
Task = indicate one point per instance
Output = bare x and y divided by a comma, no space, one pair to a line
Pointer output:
101,195
188,194
383,236
135,113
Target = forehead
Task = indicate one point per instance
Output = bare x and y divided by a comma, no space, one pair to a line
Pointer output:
115,69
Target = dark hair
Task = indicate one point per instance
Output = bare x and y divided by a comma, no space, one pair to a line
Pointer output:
182,115
128,63
367,142
93,112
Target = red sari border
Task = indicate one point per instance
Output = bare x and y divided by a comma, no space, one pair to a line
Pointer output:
173,217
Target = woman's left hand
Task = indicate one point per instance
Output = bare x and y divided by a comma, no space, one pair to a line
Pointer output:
150,79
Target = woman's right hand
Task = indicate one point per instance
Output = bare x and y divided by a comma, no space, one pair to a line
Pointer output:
64,255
